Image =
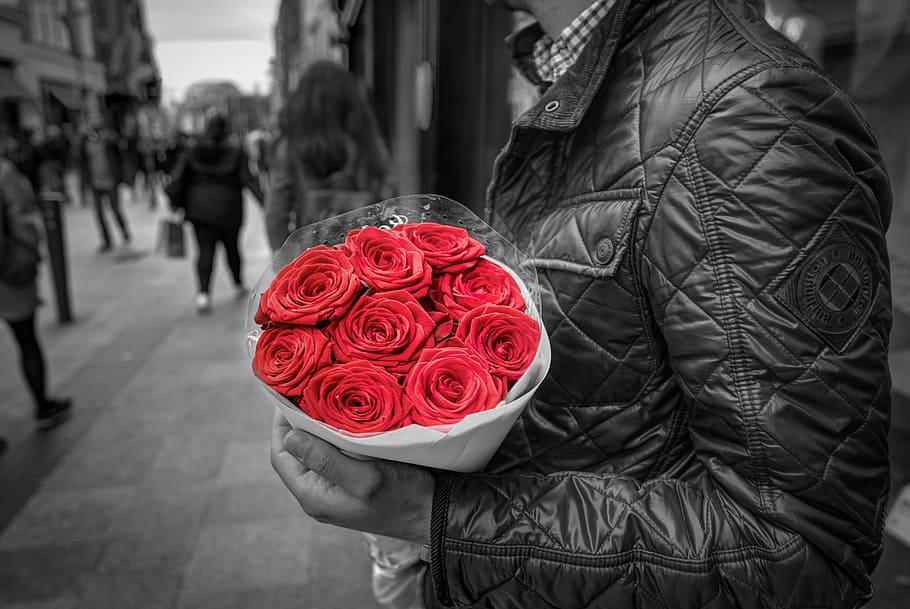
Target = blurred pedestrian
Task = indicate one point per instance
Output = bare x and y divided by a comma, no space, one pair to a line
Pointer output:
19,259
23,152
53,154
207,185
134,176
329,157
101,157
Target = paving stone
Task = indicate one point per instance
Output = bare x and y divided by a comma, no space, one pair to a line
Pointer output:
293,562
248,555
255,422
155,396
235,598
158,531
141,589
64,602
340,573
66,517
246,462
221,339
191,454
49,573
312,596
251,501
129,451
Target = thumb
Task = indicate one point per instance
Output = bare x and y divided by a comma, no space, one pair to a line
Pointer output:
353,475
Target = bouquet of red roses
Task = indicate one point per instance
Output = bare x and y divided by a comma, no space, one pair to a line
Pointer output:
406,330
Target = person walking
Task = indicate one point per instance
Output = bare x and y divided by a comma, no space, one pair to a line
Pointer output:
329,157
707,213
103,168
53,154
207,185
19,301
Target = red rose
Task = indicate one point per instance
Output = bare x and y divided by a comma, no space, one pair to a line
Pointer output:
446,248
286,358
505,338
357,397
486,282
387,261
319,285
387,329
447,384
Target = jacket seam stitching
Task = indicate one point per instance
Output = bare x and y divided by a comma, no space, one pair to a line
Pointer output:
746,35
729,318
784,550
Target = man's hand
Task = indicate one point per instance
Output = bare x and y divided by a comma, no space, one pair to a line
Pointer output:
383,497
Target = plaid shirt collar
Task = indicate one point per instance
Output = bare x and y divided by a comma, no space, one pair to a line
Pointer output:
553,58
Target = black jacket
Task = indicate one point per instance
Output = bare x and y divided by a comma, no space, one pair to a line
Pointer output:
707,212
208,184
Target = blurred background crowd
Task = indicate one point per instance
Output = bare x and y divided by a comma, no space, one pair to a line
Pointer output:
71,67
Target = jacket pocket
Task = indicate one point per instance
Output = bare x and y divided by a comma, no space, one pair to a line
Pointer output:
588,234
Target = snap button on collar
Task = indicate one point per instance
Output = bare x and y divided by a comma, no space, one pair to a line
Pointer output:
552,106
603,251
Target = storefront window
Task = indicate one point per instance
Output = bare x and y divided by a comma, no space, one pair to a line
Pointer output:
49,23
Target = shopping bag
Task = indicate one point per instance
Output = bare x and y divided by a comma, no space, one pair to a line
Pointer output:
171,237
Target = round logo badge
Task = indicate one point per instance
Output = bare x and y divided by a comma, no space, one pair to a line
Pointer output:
835,287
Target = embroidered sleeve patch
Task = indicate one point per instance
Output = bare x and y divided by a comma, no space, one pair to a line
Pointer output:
832,291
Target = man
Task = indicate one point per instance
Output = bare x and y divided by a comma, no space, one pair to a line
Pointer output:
100,152
707,214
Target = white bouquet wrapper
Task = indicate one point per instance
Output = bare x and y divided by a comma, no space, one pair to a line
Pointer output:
469,444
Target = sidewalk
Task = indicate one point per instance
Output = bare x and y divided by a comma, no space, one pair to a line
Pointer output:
158,493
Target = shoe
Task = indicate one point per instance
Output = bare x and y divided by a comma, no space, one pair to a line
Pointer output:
53,413
240,292
203,303
104,247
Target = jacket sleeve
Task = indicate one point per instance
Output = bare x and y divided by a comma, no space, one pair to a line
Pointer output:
279,199
765,271
21,216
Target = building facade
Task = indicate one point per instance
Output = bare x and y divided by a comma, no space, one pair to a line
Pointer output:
305,31
125,48
49,74
244,112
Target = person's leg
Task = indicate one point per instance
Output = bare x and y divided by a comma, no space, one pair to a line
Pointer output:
101,221
206,240
118,215
231,240
48,411
31,358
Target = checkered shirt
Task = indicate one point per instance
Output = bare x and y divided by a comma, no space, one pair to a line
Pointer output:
553,57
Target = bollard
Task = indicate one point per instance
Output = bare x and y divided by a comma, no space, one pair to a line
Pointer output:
52,214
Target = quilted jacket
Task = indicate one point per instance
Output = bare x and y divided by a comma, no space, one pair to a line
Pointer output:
707,214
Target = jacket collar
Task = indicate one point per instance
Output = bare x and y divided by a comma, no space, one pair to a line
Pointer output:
563,104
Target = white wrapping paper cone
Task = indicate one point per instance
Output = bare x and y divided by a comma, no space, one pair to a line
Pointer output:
468,445
464,447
